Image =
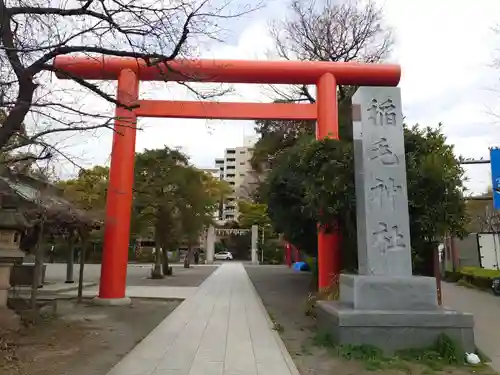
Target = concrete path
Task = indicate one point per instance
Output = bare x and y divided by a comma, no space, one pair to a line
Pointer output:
486,310
223,329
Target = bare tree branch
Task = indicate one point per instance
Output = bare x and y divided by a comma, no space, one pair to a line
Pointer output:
329,30
34,33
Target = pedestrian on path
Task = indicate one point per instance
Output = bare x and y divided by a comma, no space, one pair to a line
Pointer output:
51,254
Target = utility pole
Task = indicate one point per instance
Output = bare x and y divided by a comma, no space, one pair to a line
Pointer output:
221,202
262,252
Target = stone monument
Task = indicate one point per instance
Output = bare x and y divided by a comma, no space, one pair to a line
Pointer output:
210,245
254,246
384,305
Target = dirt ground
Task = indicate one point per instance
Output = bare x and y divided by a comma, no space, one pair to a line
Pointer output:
285,294
82,339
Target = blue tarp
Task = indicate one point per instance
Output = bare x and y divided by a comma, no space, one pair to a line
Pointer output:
300,266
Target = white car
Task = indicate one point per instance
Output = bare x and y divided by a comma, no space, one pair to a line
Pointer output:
223,255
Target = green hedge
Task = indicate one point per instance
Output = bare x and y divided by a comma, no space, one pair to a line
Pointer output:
476,276
312,262
273,252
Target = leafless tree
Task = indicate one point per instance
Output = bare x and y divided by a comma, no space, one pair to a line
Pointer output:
34,32
489,222
321,30
331,30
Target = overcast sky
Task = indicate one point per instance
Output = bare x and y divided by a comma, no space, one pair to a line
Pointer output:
445,48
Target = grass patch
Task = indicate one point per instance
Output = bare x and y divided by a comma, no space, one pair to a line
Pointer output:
480,272
278,327
443,354
323,339
329,293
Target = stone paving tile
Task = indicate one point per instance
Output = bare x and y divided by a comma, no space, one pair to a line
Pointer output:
207,368
221,329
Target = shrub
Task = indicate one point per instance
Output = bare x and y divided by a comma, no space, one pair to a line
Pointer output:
145,256
480,272
312,262
273,252
452,276
479,277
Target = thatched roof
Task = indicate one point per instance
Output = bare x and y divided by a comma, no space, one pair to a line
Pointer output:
35,198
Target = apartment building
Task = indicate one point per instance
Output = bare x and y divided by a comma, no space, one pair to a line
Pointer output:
234,168
214,172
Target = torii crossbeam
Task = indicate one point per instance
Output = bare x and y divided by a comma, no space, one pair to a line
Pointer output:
129,72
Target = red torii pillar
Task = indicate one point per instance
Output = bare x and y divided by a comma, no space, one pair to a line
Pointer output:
129,71
119,196
329,239
288,254
296,254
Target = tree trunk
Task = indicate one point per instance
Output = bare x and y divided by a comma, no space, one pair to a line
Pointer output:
165,262
425,264
70,261
37,273
187,258
157,269
83,252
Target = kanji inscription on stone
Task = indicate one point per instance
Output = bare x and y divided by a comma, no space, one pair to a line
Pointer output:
381,150
382,113
381,188
388,239
385,192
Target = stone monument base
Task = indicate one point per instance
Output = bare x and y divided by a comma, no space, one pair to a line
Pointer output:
392,313
394,330
388,292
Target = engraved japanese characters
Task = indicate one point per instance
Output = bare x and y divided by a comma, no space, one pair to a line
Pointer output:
382,151
381,193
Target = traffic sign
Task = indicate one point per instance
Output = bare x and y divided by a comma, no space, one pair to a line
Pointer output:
495,175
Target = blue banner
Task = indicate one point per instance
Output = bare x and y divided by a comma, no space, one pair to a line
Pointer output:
495,175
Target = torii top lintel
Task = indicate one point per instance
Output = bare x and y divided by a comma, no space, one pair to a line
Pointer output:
230,71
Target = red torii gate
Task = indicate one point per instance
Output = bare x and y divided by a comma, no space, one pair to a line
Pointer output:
129,72
289,259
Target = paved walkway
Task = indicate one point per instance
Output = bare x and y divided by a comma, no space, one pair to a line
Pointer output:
223,329
486,310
